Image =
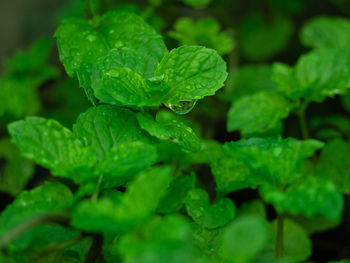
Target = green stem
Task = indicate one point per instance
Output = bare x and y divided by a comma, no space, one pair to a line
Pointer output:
302,121
88,9
17,231
279,236
94,196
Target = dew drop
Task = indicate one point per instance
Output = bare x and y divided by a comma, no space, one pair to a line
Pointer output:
183,107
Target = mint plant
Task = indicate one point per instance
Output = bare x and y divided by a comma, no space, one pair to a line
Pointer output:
143,173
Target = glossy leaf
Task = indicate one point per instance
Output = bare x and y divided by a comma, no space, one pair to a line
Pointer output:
53,146
81,43
173,130
191,73
105,127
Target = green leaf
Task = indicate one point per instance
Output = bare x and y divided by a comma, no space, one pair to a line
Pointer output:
244,239
255,32
231,175
191,73
209,215
17,170
334,164
48,198
273,160
135,206
204,32
105,127
258,113
53,146
176,194
173,130
326,31
126,160
81,43
319,74
166,239
247,80
313,196
114,83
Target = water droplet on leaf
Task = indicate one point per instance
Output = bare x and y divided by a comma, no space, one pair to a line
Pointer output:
183,107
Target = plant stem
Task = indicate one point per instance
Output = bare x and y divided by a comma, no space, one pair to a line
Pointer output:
95,249
302,121
94,196
14,233
88,9
279,236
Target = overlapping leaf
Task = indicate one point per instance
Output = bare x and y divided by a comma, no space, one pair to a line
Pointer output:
53,146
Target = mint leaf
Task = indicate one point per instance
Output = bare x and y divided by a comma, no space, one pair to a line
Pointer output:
105,127
319,74
173,130
53,146
126,160
48,198
115,84
245,113
273,160
191,73
312,197
255,32
244,239
176,194
81,43
209,215
326,31
204,32
135,206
